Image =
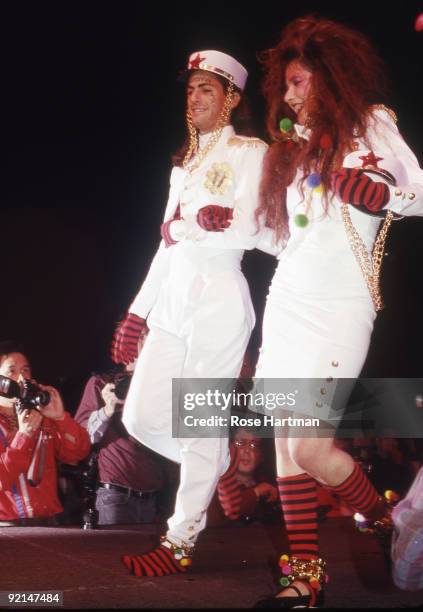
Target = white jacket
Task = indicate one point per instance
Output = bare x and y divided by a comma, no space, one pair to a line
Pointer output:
229,175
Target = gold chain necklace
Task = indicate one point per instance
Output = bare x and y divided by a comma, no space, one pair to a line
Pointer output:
370,265
192,164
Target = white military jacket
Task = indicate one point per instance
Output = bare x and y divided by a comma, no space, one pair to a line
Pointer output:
229,175
318,261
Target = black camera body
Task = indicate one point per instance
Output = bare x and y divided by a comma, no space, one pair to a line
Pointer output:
29,395
122,382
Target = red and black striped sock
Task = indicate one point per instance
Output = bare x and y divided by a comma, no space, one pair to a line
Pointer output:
298,496
160,561
359,493
229,490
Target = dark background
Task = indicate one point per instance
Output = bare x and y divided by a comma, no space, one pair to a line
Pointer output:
91,114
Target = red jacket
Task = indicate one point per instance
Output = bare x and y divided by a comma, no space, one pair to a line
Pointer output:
65,441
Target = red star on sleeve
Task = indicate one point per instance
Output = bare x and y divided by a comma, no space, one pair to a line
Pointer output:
370,160
195,63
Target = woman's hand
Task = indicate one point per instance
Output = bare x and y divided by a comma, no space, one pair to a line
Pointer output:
352,186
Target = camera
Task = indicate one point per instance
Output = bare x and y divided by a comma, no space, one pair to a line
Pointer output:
28,394
122,382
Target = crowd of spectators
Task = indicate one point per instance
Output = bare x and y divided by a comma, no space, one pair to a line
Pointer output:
44,451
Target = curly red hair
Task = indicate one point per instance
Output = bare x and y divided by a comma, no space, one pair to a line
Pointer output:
347,78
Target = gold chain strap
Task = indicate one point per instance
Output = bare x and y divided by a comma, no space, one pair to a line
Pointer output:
295,568
192,165
370,266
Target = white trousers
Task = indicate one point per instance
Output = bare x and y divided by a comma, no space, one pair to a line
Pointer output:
147,413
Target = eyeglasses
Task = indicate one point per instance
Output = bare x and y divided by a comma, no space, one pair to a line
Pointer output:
244,444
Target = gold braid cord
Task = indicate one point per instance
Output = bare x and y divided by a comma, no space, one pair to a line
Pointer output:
190,164
370,265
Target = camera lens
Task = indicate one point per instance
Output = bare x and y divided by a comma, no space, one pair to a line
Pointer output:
42,398
8,387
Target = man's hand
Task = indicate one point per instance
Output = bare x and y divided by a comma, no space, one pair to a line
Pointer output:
215,218
111,402
165,233
352,186
165,228
55,409
29,421
129,338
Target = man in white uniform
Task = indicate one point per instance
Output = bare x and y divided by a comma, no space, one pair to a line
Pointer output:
196,298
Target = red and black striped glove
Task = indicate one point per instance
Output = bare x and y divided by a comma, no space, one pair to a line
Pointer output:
352,186
126,338
165,233
165,228
215,218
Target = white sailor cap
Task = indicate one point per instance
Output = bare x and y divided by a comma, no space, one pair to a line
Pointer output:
219,63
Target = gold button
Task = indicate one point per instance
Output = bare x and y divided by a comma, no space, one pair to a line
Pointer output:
323,391
411,196
398,192
335,364
319,404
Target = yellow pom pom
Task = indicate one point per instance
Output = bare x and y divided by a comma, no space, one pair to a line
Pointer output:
185,562
391,496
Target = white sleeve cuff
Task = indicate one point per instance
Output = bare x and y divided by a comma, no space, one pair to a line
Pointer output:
186,229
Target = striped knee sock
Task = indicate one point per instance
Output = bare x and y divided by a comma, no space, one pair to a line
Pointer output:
163,560
298,496
360,494
229,490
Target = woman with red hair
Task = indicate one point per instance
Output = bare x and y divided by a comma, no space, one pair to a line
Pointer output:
337,165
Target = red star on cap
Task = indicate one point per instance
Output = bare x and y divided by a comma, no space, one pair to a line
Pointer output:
370,160
195,63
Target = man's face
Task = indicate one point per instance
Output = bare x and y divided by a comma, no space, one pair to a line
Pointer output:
298,87
15,366
205,100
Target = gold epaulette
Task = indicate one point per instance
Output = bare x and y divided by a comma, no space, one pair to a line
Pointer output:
241,141
387,110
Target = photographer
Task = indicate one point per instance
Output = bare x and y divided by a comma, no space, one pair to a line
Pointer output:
252,490
32,440
130,475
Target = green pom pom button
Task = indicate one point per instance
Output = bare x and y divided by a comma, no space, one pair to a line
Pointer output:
285,125
301,220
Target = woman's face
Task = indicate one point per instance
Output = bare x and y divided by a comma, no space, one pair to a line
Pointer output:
250,453
298,86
